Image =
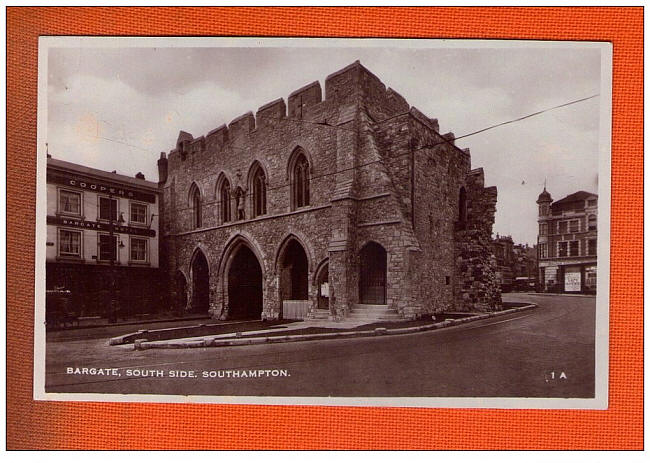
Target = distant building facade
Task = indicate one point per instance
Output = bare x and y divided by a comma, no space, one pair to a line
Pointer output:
567,242
516,264
504,254
525,267
345,204
102,239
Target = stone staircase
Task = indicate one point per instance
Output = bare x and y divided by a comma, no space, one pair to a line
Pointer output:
372,313
318,314
360,312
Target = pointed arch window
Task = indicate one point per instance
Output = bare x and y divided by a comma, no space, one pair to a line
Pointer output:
196,205
224,201
300,181
258,186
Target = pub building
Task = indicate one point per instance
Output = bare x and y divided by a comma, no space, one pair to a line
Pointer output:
102,242
567,242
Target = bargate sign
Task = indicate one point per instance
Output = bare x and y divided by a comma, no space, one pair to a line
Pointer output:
99,226
76,182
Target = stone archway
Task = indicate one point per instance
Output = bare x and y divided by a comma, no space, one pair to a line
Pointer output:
293,270
200,283
372,278
244,283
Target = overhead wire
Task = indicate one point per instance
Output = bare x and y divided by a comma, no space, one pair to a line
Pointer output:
449,141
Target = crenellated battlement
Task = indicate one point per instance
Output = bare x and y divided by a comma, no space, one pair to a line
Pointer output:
271,112
308,95
351,85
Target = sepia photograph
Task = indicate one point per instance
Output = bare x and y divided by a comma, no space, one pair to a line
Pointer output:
416,223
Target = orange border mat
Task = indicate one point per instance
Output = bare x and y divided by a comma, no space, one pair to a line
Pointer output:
51,425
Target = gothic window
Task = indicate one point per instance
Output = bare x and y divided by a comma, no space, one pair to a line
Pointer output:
258,186
224,200
195,204
300,181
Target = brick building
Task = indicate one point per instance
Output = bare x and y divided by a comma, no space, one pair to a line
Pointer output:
102,239
567,242
348,205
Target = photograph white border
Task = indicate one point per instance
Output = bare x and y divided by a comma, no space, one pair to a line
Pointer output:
600,400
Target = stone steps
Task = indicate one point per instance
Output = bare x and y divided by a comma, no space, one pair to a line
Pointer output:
372,312
319,314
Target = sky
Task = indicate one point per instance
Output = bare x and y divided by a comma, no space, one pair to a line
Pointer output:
118,108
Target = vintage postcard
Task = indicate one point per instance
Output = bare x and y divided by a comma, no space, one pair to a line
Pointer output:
410,223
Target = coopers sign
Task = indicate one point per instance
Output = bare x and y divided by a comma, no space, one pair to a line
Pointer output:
85,184
78,223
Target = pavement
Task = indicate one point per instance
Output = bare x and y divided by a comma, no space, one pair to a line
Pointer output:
518,355
270,335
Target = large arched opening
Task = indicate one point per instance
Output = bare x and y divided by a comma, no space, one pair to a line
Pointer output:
244,276
294,280
372,278
200,283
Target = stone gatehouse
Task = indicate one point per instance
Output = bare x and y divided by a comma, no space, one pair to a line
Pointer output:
334,203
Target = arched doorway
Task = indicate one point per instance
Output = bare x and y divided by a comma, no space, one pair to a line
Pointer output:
294,281
372,281
200,284
245,299
180,299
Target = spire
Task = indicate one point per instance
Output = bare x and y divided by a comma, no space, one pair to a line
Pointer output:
544,196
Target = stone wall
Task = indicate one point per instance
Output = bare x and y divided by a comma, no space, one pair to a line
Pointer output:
477,287
380,172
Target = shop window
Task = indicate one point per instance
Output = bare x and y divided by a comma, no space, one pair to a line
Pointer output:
69,243
591,278
107,208
69,202
107,247
139,249
138,213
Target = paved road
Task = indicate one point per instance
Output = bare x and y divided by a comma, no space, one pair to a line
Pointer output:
513,356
